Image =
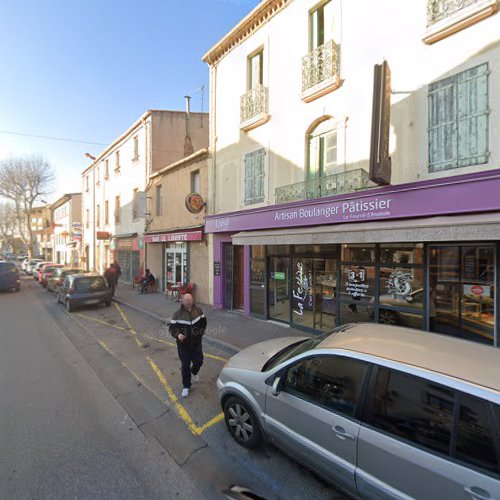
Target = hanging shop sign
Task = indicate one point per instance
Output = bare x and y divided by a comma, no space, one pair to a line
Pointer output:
103,235
172,237
194,203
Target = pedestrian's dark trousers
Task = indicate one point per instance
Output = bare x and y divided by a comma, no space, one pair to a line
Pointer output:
191,360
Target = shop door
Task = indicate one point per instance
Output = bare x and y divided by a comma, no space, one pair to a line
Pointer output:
175,265
238,277
462,291
228,293
279,289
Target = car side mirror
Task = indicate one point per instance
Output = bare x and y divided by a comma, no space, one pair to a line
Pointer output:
276,387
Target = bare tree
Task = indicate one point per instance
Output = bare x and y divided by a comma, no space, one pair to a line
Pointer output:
8,224
24,180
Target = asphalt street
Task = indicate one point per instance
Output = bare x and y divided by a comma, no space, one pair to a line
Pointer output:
90,408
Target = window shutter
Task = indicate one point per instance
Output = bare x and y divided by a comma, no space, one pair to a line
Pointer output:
472,91
254,176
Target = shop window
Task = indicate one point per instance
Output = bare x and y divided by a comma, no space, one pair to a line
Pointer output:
458,120
402,253
355,312
254,177
331,250
195,182
357,283
358,253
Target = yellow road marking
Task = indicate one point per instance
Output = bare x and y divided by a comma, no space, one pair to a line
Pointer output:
183,413
146,336
181,410
127,322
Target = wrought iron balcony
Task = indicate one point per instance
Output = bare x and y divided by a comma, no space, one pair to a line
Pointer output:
442,9
321,65
253,104
346,182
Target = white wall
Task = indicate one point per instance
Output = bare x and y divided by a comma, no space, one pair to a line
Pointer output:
369,32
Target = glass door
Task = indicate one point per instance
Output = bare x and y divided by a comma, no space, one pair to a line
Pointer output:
175,265
279,289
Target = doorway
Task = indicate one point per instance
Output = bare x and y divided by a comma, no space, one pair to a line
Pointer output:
279,289
234,265
175,264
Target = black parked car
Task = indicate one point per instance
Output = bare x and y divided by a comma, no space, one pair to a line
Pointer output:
9,277
84,290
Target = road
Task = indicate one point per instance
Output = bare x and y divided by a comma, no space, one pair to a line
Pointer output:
89,408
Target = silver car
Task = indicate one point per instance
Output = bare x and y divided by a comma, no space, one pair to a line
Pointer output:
380,411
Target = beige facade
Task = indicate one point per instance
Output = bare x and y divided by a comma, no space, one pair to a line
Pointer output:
176,249
67,229
114,185
305,85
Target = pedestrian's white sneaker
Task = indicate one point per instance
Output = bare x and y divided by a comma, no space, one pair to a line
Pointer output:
196,378
185,392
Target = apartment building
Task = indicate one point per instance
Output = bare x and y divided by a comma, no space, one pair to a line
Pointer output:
41,220
177,251
66,232
311,101
114,185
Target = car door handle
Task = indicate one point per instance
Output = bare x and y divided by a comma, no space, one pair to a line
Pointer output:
477,493
341,433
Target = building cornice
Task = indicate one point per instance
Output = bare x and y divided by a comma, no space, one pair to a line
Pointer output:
201,154
62,200
259,16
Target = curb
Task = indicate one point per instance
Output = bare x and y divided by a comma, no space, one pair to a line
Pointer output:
216,342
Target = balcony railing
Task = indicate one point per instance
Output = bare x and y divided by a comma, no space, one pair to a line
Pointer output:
321,65
346,182
253,103
438,10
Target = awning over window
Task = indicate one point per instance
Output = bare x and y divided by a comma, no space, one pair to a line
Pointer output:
474,227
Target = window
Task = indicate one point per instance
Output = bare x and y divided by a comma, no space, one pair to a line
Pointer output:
458,120
98,175
413,409
255,70
87,218
254,177
334,382
106,169
321,25
135,204
159,200
98,215
322,157
117,160
106,212
136,148
475,443
117,209
87,183
195,181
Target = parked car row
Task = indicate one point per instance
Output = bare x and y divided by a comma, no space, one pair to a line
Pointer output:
380,411
72,286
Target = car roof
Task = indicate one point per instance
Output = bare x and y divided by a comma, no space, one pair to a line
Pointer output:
461,359
87,275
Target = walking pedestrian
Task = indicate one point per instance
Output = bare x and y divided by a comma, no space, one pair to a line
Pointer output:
111,277
118,270
188,326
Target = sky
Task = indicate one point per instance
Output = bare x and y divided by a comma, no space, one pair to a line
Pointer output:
86,70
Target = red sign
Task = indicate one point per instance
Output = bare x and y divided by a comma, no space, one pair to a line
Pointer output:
477,290
171,237
103,235
194,203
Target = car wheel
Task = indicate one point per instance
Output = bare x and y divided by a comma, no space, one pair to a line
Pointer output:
388,317
242,423
69,306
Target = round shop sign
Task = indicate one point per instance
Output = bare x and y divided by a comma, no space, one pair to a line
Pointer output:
194,203
477,290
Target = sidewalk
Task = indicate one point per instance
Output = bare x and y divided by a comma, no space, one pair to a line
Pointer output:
228,329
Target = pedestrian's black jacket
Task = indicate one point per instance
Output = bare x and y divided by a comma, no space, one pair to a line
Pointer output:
192,324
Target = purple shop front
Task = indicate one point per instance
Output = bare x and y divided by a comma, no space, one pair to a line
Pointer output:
463,194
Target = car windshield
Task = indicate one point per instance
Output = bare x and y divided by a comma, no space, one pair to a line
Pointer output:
90,284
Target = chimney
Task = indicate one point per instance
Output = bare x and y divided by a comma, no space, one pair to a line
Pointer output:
188,145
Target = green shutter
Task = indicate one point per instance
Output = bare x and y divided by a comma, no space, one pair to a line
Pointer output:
254,177
458,120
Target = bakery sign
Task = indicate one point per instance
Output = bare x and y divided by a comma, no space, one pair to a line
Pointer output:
174,237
